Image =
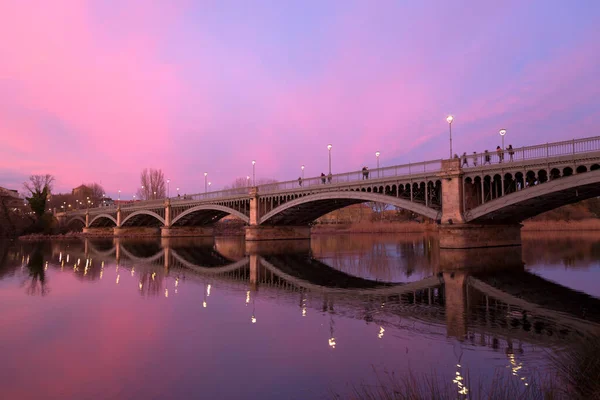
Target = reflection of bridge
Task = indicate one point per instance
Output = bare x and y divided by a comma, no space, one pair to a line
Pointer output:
513,303
468,200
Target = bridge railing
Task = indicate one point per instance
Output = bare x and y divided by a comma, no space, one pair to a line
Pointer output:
213,195
541,151
355,176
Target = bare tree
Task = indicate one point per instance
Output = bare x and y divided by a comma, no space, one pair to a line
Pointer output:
96,191
153,184
378,209
39,187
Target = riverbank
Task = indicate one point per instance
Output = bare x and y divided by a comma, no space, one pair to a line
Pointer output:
234,229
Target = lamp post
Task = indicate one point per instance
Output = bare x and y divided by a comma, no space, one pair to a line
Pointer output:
209,183
377,154
177,192
248,180
253,172
168,189
449,119
502,133
154,198
302,168
205,184
329,146
119,196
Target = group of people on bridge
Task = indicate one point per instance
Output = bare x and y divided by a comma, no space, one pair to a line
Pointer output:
487,156
328,178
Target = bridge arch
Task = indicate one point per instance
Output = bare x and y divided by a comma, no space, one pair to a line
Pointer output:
536,199
101,220
213,210
306,209
143,218
76,219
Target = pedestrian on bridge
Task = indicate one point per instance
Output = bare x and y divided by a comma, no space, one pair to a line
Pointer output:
486,157
323,179
475,158
329,176
511,152
365,172
300,181
465,162
500,152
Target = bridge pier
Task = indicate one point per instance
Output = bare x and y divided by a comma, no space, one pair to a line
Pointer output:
468,236
185,231
266,232
455,292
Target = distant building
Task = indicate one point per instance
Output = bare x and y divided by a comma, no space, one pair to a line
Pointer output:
81,191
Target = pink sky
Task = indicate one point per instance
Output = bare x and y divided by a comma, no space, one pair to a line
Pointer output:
98,90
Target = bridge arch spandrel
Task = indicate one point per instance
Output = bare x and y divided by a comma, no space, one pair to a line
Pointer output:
306,209
218,210
143,218
101,219
533,200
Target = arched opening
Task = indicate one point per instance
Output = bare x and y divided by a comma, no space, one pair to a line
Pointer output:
581,169
568,171
594,167
497,187
542,176
554,173
509,184
487,188
519,181
530,179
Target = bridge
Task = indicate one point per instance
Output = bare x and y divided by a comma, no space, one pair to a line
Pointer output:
478,201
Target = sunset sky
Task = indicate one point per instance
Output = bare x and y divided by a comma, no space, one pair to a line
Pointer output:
95,91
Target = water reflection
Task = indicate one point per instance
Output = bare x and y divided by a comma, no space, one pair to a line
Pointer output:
398,288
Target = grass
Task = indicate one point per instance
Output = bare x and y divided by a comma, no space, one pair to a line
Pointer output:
503,386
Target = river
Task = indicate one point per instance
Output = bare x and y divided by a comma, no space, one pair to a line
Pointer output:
223,319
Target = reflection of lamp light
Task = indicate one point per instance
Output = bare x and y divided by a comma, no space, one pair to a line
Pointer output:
247,297
208,290
381,330
253,319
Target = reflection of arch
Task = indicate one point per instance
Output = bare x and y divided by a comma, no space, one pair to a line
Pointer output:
147,260
210,207
99,217
536,199
389,290
209,270
100,253
306,209
135,217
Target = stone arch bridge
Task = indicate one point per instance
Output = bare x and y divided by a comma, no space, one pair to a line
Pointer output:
478,201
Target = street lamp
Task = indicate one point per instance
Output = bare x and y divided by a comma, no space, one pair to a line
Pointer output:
119,196
253,172
248,181
154,195
168,188
329,148
377,154
449,119
302,168
177,192
209,183
205,185
502,133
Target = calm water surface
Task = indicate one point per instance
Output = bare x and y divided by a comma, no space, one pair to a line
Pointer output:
220,318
